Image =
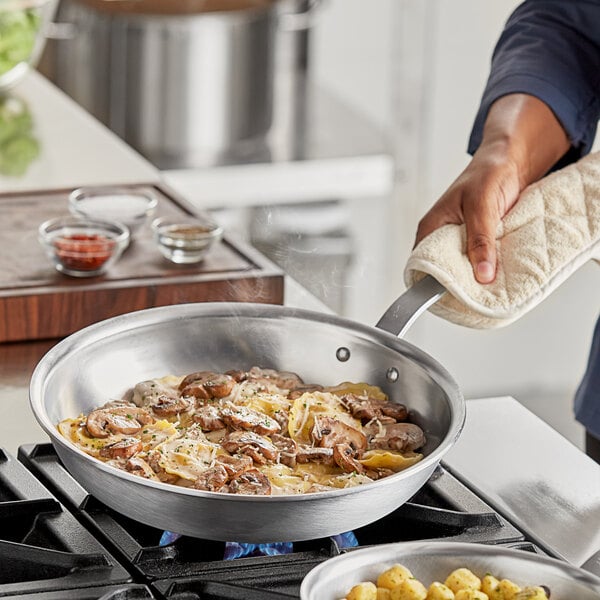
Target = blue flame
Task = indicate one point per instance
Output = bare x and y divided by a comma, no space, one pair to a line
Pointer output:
345,540
235,550
168,537
238,550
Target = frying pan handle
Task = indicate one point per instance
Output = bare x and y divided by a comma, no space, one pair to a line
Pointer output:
405,310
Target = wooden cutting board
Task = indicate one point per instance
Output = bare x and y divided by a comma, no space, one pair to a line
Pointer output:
38,302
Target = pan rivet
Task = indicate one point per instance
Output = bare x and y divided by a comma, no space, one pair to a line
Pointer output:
392,374
342,354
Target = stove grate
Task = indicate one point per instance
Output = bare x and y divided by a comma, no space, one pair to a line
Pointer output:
43,548
130,591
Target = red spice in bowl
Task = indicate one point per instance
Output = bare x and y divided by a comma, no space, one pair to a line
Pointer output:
84,252
83,248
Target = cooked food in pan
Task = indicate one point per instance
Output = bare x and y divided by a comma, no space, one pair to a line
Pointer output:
250,432
398,583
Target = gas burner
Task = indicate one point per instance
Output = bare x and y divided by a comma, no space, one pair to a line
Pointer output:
180,566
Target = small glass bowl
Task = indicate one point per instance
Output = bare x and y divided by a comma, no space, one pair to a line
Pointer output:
82,247
185,240
130,206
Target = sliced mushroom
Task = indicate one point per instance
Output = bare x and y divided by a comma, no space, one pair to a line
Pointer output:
311,454
282,417
127,420
394,410
343,456
240,417
149,391
154,457
209,418
368,409
327,432
288,449
251,482
402,437
206,385
235,465
167,406
124,448
138,466
260,449
284,380
212,480
237,375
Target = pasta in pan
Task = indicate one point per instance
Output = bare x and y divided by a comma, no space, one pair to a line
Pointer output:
250,432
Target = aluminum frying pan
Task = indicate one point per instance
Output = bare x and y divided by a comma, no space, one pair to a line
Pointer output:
104,360
434,561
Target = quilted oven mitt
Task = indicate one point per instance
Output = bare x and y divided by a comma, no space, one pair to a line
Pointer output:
551,231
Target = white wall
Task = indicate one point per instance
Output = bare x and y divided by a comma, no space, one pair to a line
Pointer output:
351,53
465,32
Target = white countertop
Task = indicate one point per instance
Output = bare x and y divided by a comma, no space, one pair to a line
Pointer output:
75,149
530,472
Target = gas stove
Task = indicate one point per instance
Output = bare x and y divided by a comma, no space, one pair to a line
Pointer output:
59,542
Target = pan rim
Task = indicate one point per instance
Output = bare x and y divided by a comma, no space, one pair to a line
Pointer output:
143,318
435,548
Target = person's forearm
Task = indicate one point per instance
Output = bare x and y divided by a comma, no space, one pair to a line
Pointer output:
525,131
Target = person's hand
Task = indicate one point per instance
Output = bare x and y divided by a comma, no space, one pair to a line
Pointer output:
484,192
522,140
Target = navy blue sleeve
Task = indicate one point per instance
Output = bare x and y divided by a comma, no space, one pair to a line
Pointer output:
550,49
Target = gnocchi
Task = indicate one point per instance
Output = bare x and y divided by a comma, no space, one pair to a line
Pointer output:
393,577
509,589
409,589
439,591
398,583
363,591
491,586
463,579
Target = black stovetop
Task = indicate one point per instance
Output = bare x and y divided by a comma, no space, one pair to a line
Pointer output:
59,543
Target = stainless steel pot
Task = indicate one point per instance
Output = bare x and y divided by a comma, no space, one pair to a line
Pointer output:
184,85
104,360
434,561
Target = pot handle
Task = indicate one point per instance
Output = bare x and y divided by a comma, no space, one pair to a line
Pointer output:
302,20
60,31
409,306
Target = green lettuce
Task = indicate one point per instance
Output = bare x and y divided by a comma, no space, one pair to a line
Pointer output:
18,33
